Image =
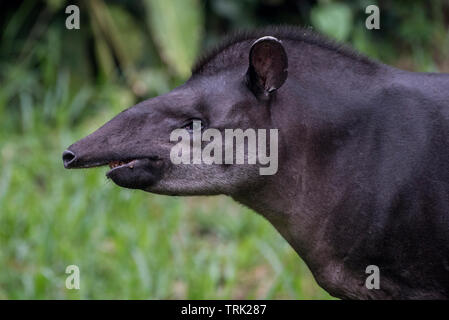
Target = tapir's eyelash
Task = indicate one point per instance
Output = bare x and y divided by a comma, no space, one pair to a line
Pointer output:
192,124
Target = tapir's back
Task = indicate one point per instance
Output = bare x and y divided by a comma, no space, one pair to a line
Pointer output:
433,88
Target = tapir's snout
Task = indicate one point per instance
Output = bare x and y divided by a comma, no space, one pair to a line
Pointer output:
89,152
74,160
106,145
127,169
131,158
68,158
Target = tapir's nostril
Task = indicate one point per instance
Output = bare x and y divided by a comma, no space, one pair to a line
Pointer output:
68,157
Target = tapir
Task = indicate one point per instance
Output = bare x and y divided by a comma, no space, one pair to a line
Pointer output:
362,186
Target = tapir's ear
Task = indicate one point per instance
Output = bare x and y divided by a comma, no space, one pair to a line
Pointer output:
268,64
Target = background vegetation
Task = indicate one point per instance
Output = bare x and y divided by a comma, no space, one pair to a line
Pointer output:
57,85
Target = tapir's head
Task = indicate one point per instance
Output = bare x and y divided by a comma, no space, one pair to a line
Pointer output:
223,93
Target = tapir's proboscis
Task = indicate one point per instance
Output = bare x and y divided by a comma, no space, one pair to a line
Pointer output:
363,156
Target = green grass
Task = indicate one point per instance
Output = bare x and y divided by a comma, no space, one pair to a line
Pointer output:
129,244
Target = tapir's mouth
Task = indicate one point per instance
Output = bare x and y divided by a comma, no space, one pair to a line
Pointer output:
132,172
135,174
120,164
127,167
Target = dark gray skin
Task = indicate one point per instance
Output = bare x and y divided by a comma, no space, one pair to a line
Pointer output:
363,174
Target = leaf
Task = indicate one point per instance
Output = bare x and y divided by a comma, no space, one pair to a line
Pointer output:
333,19
130,37
176,27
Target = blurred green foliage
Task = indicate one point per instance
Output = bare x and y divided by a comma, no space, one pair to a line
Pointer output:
57,85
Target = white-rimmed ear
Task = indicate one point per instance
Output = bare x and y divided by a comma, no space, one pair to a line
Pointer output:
268,65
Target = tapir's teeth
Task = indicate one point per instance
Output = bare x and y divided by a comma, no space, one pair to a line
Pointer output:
114,164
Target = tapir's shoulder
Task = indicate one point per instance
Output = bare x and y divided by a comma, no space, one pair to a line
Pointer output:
423,89
415,98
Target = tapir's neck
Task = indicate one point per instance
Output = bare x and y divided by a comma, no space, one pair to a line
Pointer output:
295,206
320,115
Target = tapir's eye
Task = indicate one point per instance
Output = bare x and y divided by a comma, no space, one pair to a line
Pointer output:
193,124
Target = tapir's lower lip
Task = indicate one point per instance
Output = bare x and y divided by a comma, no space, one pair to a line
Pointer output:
129,164
136,174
